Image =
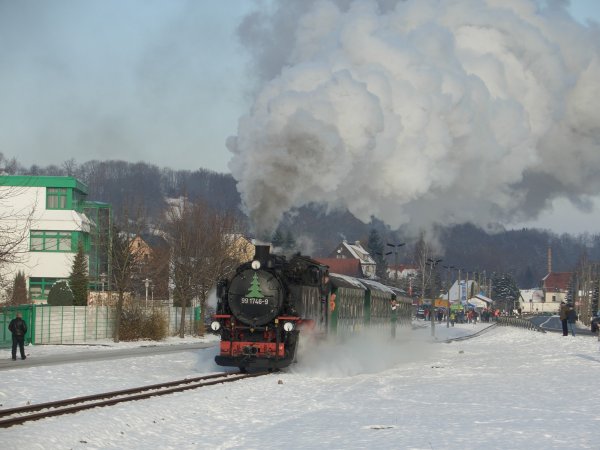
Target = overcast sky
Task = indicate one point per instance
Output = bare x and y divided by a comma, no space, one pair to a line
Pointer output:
163,82
156,81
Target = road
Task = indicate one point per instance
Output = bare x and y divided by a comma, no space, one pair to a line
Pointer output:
99,354
552,323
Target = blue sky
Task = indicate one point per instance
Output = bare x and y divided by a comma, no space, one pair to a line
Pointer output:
163,82
156,81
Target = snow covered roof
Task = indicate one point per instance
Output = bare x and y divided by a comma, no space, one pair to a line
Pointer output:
372,284
483,298
359,252
340,280
532,295
454,291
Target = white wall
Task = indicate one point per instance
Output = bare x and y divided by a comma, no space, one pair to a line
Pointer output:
23,209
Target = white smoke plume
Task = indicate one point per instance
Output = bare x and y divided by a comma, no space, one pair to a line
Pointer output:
419,111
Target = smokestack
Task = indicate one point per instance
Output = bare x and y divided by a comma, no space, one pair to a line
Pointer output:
261,252
549,259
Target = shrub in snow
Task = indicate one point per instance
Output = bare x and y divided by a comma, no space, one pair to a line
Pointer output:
60,294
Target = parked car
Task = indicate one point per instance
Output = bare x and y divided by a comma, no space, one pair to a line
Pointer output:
595,323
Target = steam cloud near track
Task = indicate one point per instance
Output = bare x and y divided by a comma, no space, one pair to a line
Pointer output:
419,111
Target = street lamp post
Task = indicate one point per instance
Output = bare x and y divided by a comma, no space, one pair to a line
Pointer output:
396,247
147,282
432,263
448,268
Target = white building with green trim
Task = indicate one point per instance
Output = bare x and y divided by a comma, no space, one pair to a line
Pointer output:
52,216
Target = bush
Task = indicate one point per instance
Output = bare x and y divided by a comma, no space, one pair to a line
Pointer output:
60,294
138,324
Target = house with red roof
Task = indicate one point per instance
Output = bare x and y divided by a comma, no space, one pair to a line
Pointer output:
355,251
555,287
344,266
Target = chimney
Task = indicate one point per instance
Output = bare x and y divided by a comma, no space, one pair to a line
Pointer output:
261,252
549,259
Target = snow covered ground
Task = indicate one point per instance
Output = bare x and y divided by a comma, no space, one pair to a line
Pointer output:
506,389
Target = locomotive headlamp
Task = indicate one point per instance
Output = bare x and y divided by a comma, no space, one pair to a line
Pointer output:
215,325
288,326
256,264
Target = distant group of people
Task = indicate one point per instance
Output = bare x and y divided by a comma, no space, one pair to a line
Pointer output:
460,316
568,318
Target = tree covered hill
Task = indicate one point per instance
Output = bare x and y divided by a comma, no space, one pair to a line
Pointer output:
522,253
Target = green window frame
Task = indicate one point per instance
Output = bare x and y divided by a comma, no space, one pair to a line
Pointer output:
58,241
58,198
51,241
39,288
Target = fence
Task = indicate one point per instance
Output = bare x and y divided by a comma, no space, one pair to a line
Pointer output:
519,322
72,324
81,324
9,313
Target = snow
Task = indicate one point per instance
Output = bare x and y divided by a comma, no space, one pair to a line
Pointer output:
507,388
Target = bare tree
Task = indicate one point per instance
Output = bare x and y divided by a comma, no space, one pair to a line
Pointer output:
15,223
70,167
199,243
423,255
123,258
219,258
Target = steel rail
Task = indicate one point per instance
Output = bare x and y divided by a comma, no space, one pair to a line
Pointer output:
19,415
470,336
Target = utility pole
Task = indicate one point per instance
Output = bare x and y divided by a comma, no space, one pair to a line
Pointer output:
147,282
396,247
432,263
448,285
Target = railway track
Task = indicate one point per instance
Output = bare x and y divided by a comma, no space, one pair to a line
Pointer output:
470,336
19,415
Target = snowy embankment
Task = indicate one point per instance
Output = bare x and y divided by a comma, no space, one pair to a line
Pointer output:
508,388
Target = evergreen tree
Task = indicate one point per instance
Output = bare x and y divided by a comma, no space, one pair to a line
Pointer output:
19,291
505,291
60,294
79,277
375,248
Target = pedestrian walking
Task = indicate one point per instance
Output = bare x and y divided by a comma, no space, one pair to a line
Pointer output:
18,328
394,317
571,318
562,313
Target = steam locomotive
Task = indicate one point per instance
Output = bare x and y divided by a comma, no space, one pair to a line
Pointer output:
270,300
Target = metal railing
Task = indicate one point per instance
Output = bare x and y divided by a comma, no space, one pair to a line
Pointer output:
518,322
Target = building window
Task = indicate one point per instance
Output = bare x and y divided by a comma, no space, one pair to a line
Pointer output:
52,241
39,288
554,298
56,198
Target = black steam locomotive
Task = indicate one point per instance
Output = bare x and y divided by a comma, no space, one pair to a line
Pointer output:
263,306
269,301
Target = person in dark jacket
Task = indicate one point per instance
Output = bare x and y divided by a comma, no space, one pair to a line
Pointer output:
571,318
18,328
563,311
394,317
